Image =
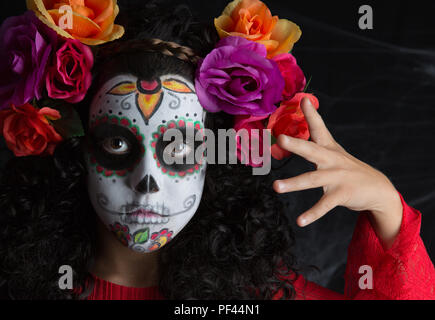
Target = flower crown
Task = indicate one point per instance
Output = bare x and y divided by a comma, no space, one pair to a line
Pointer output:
46,66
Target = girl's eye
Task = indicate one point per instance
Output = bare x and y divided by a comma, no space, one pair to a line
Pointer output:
181,150
116,145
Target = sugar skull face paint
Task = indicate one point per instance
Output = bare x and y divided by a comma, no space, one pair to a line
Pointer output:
142,200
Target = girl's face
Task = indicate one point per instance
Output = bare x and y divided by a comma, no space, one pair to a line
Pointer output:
140,197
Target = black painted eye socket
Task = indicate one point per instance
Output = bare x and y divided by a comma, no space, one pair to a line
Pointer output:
180,151
114,147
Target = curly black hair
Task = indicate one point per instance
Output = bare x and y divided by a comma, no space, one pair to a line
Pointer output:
237,245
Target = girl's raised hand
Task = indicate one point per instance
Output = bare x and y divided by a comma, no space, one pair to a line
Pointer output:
346,181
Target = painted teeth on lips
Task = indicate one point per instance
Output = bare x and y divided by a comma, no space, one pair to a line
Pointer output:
145,217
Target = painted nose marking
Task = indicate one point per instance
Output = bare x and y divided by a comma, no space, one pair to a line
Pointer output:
147,185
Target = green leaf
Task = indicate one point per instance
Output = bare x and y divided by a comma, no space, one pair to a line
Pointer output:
141,236
272,139
69,125
47,102
308,83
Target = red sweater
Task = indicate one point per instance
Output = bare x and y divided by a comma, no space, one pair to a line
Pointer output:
404,271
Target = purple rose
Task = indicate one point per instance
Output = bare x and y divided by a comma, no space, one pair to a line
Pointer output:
237,78
25,47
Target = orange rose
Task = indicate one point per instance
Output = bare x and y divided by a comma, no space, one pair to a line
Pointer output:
92,20
251,19
27,131
289,119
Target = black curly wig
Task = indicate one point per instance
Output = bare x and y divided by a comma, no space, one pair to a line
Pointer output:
237,245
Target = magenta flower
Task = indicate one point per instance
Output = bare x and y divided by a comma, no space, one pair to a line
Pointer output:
293,75
250,152
25,47
237,78
70,76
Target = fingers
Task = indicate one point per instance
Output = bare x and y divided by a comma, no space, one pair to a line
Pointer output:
308,180
323,206
318,130
307,149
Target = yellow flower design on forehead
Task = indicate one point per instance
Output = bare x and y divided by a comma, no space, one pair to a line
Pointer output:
149,94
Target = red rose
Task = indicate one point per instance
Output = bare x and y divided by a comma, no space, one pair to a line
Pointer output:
27,131
293,75
70,77
254,128
289,119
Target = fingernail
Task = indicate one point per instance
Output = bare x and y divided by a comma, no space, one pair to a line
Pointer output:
285,137
282,138
303,222
308,101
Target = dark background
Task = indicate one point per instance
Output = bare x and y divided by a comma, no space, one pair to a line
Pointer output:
377,96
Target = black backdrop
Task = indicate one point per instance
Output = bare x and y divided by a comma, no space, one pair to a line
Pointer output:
377,96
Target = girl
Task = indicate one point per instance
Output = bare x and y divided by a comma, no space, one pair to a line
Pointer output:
132,226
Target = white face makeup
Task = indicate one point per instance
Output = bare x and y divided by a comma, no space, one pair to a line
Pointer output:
141,199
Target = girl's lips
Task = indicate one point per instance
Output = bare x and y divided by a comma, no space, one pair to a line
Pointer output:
143,216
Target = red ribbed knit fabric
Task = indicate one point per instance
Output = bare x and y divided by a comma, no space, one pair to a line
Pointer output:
105,290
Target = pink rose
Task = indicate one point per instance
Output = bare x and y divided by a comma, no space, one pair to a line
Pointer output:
70,77
293,75
249,153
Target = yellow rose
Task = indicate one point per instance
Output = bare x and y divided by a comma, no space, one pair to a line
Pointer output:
251,19
92,20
